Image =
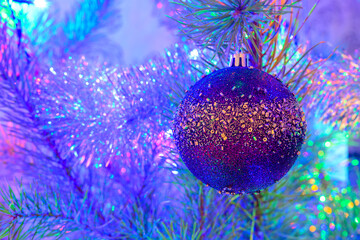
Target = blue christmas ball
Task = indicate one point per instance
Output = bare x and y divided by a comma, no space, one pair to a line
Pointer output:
239,130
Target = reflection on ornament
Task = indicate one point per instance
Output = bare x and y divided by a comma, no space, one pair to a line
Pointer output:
239,130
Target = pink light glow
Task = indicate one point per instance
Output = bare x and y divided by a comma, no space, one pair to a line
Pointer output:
159,5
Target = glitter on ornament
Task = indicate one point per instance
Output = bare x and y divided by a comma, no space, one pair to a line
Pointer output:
239,130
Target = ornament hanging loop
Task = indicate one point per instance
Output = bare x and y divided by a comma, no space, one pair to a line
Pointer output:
239,59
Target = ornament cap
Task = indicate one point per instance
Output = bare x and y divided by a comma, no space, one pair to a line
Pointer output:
239,59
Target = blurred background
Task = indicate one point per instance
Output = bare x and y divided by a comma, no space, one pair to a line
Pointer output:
142,28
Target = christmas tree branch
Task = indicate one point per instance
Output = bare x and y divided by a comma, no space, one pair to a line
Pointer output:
83,25
224,26
269,205
335,95
271,50
44,212
253,220
53,37
17,108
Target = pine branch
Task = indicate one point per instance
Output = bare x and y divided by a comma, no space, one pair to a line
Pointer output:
52,39
270,49
43,212
17,108
86,26
226,26
335,95
89,16
226,216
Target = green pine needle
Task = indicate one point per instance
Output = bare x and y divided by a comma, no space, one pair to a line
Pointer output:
226,25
